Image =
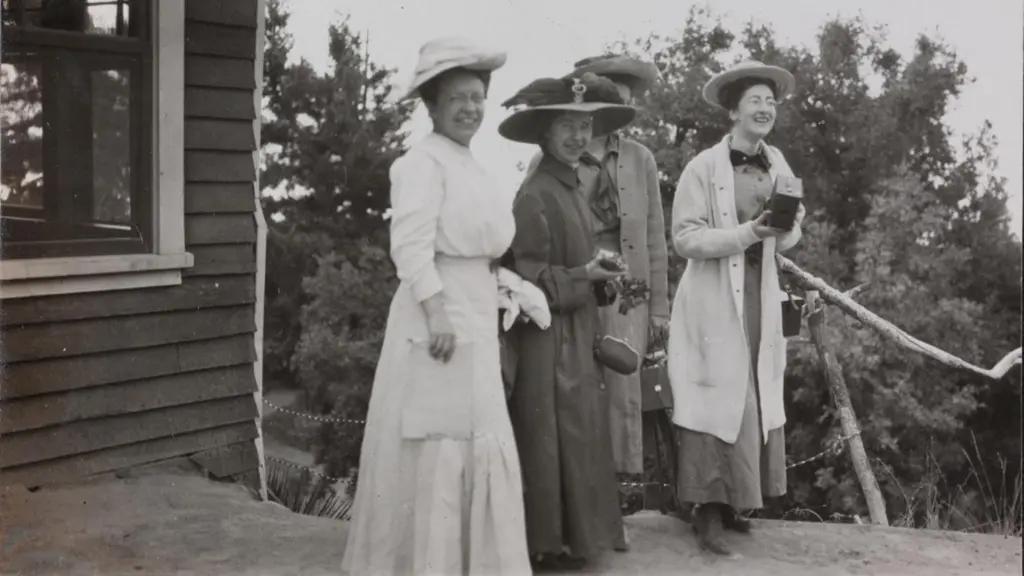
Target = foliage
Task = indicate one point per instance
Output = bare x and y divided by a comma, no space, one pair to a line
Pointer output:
336,357
328,142
890,202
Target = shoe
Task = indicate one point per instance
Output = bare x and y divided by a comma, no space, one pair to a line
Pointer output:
623,545
557,562
732,520
710,531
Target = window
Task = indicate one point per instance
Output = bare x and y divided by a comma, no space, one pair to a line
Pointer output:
75,171
92,157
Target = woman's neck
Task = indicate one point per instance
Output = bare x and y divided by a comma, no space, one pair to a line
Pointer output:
598,146
744,143
450,139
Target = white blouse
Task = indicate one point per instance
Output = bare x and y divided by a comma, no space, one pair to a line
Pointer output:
444,202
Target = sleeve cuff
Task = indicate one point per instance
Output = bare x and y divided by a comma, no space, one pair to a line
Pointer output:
427,286
578,273
747,236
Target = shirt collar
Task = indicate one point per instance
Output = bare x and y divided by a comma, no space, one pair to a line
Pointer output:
560,170
447,143
613,143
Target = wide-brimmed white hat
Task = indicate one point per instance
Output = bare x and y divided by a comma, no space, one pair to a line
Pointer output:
442,54
587,93
643,74
783,80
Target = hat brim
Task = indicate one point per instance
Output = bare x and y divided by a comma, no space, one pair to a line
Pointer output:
489,64
784,82
527,126
644,74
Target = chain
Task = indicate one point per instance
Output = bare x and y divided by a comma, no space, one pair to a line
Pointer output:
834,447
306,468
313,416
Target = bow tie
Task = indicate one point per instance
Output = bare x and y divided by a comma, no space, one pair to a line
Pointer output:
760,160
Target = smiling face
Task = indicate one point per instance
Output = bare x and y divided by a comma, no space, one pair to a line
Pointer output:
568,136
458,108
754,112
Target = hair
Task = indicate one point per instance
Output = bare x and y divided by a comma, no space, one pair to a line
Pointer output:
545,119
730,94
429,90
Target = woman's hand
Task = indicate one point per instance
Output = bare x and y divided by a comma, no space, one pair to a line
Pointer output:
442,336
800,213
442,333
763,230
597,272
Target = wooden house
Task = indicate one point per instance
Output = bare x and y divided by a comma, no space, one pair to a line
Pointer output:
132,250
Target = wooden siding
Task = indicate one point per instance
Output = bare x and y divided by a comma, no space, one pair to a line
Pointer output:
104,381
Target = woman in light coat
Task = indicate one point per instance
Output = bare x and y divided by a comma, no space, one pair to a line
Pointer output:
440,488
727,354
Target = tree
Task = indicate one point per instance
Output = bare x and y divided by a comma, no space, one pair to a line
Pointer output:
328,142
890,203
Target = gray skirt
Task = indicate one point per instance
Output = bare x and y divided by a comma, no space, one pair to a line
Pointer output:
711,470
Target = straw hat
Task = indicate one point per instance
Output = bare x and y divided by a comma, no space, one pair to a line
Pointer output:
783,80
442,54
586,93
643,74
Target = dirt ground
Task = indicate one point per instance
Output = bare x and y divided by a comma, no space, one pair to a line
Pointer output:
173,521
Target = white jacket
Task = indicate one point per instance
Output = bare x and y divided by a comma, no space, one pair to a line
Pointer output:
708,362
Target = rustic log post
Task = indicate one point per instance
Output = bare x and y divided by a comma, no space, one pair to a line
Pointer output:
847,417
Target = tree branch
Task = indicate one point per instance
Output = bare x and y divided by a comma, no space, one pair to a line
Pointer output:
887,329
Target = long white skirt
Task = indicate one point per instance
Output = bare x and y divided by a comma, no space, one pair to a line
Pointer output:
440,506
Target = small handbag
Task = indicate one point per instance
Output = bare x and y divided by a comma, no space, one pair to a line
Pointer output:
655,392
792,315
616,355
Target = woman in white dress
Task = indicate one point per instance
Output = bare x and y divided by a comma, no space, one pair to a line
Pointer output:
439,488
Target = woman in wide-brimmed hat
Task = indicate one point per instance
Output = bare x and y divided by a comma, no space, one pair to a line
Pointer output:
628,219
727,354
558,404
440,488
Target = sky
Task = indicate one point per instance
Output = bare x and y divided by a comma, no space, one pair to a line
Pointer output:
544,38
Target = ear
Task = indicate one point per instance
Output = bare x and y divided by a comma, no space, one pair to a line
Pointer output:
734,115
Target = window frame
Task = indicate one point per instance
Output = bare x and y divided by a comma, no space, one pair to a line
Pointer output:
162,265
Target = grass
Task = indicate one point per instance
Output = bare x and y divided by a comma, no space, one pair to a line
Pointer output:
303,492
975,505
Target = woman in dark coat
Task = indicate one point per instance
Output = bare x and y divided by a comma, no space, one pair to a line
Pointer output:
559,405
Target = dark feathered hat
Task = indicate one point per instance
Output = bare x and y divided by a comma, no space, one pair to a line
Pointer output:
584,93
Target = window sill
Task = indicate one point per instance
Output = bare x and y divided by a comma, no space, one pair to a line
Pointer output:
52,276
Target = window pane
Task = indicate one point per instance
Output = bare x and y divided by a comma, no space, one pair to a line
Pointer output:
73,116
109,17
111,147
21,152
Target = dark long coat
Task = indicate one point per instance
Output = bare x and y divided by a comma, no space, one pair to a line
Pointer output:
559,405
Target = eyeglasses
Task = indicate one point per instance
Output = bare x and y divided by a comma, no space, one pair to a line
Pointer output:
477,99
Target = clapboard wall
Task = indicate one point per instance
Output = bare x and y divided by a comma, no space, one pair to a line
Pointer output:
105,381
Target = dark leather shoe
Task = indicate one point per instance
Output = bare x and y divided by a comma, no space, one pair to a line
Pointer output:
732,520
710,531
558,562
